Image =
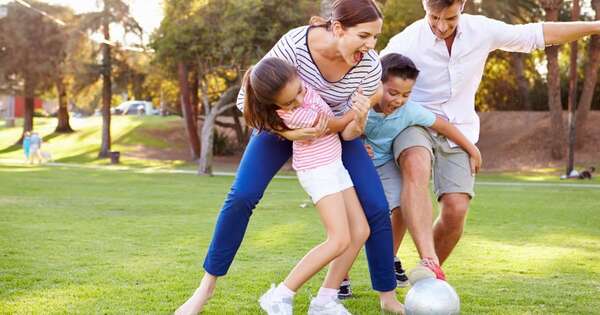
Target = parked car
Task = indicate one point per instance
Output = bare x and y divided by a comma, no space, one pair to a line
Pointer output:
135,108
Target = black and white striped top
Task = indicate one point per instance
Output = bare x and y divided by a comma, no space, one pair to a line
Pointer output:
293,47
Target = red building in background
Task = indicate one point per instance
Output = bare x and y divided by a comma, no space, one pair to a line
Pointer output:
20,105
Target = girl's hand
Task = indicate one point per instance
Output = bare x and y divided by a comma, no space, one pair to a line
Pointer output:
475,160
318,130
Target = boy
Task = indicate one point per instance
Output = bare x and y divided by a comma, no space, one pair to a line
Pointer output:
391,114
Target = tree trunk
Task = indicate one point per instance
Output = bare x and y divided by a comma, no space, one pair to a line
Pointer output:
557,132
225,103
517,62
106,89
240,132
29,92
187,111
589,84
63,125
575,12
195,87
29,105
208,133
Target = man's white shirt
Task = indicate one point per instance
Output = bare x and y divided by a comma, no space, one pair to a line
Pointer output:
447,84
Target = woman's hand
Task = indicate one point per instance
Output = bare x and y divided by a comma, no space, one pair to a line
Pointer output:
318,130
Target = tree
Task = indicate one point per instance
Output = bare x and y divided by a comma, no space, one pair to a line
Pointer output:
591,79
557,133
572,103
114,11
32,48
219,40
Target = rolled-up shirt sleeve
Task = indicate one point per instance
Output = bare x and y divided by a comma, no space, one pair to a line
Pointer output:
523,38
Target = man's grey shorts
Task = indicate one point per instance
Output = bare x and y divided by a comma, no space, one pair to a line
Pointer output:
450,166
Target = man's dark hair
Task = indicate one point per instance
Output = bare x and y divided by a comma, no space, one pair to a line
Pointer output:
398,65
440,4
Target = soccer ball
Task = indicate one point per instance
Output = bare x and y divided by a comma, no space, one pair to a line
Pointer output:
431,297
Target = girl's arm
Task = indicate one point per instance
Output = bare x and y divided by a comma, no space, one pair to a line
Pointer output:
447,129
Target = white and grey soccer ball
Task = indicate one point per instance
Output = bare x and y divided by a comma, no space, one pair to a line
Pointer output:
432,297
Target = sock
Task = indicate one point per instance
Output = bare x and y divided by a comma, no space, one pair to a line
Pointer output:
283,291
396,259
326,295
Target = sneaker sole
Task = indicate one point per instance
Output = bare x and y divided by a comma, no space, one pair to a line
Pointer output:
344,296
402,284
419,273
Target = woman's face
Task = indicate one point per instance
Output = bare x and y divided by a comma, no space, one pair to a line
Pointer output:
354,42
292,95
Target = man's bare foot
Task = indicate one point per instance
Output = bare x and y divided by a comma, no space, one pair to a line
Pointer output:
202,294
389,303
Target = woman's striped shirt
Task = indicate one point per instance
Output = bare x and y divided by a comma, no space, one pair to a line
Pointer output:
293,47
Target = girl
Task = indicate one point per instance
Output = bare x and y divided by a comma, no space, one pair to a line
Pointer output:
334,56
277,100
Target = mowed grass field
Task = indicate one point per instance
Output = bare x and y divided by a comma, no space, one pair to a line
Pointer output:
119,242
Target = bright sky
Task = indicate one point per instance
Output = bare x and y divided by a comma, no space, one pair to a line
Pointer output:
147,12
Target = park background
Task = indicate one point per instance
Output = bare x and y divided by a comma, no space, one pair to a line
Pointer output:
80,234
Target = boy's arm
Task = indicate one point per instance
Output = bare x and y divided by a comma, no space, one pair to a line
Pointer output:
445,128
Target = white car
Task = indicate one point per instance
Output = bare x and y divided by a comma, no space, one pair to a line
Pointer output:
135,108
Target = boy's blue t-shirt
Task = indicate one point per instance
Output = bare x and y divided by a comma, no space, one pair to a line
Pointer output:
381,130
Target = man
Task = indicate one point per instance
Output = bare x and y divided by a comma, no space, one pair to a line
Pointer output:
450,49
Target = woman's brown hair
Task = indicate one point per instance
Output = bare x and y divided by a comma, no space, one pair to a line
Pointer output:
262,83
349,13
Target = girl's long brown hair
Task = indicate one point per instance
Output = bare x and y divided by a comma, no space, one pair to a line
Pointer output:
262,83
349,13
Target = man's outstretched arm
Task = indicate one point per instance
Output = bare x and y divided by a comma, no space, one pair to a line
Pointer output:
556,33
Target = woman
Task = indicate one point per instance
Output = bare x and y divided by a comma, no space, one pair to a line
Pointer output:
336,58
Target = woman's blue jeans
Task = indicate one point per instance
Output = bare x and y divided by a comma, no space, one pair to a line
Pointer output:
264,156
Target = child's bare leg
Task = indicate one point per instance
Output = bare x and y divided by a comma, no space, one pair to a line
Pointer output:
202,294
333,213
359,232
340,267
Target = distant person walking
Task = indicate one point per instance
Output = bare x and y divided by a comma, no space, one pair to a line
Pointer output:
35,145
26,144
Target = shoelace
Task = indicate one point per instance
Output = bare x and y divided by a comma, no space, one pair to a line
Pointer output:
431,264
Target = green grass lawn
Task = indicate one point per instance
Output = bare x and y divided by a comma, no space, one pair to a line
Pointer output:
82,146
111,242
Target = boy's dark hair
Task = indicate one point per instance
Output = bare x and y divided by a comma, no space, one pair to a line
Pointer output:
398,65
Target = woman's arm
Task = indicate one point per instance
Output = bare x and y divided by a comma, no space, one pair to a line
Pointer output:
445,128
